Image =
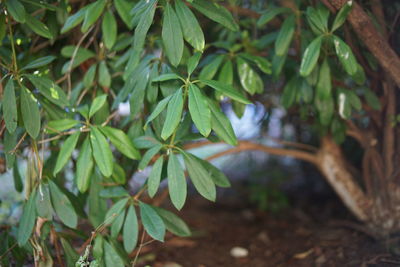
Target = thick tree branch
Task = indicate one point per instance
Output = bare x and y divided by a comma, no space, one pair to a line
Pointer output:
371,37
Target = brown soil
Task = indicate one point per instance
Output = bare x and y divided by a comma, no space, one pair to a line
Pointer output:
310,233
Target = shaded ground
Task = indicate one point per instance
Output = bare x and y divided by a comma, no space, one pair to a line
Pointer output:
314,232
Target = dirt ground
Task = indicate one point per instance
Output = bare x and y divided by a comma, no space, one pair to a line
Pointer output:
313,232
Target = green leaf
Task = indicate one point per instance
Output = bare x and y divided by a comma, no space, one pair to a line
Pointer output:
268,15
174,114
226,73
18,185
221,125
199,111
326,110
97,103
148,156
104,76
114,192
2,26
345,55
73,20
92,13
176,182
289,93
144,25
43,202
152,222
262,63
50,90
116,226
310,57
78,57
57,126
101,152
62,206
226,90
172,36
200,177
111,256
249,79
90,74
124,8
109,29
158,109
84,166
317,19
211,68
40,62
71,256
115,210
30,113
173,223
285,36
342,15
16,10
38,27
121,142
191,29
27,220
131,230
324,85
66,152
193,61
154,179
9,142
10,111
217,176
167,77
216,12
372,100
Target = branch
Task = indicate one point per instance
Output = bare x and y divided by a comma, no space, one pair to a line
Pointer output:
372,39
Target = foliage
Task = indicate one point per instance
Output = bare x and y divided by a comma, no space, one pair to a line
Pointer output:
67,66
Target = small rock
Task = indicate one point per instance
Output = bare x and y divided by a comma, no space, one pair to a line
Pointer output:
248,215
263,236
239,252
320,260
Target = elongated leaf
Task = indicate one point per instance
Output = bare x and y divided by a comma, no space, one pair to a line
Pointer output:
372,99
193,61
285,36
226,90
9,142
200,177
88,79
66,152
16,10
342,15
289,93
226,73
221,125
38,27
345,55
131,230
216,12
172,36
152,222
84,166
217,176
18,185
104,76
310,57
268,15
123,8
109,29
73,20
97,103
324,84
154,179
101,152
174,114
262,63
211,68
30,113
113,213
199,111
176,182
50,90
44,208
27,221
92,13
191,29
40,62
111,256
62,206
61,125
249,79
173,223
69,252
117,224
10,111
148,156
121,142
144,24
166,77
158,109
